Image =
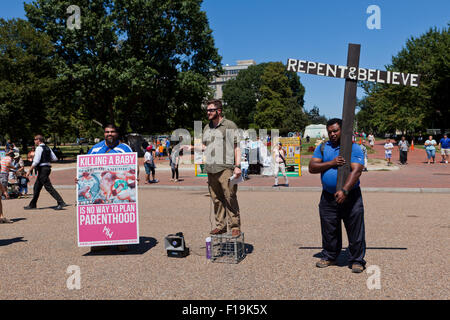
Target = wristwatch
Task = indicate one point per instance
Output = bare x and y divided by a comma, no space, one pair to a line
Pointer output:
345,192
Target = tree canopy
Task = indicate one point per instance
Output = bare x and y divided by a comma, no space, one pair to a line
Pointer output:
387,108
27,79
266,96
142,64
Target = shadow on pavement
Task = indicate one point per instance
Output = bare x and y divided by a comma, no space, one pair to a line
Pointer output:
18,219
342,260
51,207
145,244
368,248
7,242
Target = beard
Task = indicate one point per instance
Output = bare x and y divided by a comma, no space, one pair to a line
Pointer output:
216,115
110,140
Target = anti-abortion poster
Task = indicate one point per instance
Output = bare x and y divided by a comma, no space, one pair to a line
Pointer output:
107,204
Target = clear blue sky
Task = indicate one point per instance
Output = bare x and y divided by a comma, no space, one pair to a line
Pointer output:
320,30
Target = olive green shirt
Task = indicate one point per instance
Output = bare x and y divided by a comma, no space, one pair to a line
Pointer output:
219,153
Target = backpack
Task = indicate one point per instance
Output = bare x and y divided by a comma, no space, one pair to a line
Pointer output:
322,146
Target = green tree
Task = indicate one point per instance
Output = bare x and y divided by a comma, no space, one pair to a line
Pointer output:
266,96
27,80
143,64
314,116
387,108
241,95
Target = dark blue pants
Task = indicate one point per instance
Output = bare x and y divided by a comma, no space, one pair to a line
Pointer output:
352,213
43,180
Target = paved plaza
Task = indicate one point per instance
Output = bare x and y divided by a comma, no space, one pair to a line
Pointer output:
407,240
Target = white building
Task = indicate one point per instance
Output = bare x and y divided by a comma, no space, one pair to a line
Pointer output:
230,73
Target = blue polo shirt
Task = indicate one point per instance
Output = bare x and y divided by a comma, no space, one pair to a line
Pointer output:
445,143
329,177
101,147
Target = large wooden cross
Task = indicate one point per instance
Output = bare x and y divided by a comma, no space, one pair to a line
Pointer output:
352,74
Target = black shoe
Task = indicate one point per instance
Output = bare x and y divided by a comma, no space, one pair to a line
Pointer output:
64,204
29,207
59,207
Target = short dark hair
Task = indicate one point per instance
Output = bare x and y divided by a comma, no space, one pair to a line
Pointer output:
333,121
111,126
40,137
215,102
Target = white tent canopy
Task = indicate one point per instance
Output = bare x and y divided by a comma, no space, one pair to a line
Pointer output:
316,131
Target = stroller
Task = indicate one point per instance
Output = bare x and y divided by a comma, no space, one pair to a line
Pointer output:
13,189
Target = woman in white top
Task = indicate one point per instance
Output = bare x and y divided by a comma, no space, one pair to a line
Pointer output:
430,148
280,156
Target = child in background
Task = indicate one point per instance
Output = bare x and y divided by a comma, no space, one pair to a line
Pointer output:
23,185
388,146
161,151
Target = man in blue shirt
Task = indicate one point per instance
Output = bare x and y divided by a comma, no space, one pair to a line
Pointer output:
444,145
111,144
345,204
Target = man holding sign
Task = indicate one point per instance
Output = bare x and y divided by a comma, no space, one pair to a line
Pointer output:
345,204
113,186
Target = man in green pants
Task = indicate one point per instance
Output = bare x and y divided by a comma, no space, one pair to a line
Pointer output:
223,161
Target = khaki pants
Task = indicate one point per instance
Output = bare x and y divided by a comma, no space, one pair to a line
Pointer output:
224,198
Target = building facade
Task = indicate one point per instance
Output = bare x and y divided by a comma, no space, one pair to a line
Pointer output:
230,72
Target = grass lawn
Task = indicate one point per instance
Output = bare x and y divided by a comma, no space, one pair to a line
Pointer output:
71,152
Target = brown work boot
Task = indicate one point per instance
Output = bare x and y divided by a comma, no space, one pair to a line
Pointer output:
357,268
325,263
217,231
235,233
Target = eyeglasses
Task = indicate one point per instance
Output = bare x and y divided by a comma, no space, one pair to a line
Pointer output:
211,110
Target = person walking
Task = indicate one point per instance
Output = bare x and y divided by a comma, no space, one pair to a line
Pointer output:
364,150
279,157
444,145
174,159
371,139
149,165
30,157
42,158
167,147
336,205
3,219
403,147
6,167
221,167
430,148
388,146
